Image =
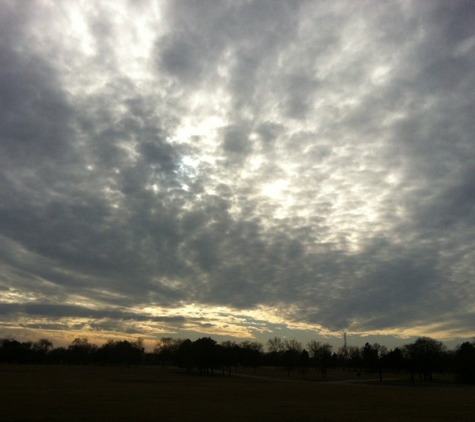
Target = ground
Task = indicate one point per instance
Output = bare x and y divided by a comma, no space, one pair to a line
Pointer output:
73,393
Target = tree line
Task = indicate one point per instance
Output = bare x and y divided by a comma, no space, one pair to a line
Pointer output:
421,359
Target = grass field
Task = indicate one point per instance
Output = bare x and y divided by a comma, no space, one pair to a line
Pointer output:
73,393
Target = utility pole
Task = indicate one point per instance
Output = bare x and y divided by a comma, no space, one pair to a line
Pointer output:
345,351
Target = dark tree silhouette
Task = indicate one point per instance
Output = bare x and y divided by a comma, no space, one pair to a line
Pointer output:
343,357
184,355
12,351
81,352
320,355
304,362
424,356
373,356
229,356
121,352
41,348
394,360
275,346
464,359
165,350
59,355
292,351
205,355
355,358
250,354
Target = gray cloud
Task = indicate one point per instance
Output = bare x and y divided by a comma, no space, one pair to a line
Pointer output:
312,161
82,312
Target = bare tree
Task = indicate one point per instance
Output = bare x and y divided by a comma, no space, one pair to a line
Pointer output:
275,346
292,352
321,355
41,349
292,344
43,345
165,350
80,351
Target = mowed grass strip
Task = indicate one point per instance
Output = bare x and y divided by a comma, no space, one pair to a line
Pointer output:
73,393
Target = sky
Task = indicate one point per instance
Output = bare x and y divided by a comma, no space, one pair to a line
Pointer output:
237,169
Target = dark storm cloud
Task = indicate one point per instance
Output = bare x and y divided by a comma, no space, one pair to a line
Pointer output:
180,55
31,107
314,159
71,311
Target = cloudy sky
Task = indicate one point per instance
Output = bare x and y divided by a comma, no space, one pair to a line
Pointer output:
237,169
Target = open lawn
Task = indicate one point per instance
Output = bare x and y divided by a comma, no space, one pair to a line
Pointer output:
73,393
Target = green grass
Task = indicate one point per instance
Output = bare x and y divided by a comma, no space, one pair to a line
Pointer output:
60,393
